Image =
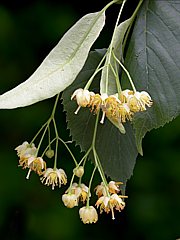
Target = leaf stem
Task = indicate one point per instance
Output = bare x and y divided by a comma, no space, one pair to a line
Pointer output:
69,151
117,79
108,5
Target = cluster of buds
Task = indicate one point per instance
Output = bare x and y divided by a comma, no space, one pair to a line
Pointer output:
108,198
27,154
118,108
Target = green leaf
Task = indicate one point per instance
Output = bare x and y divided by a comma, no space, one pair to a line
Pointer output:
107,73
117,151
153,59
60,67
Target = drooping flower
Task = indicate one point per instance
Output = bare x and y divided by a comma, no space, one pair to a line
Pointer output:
80,190
112,187
26,150
83,97
70,200
36,164
125,94
108,203
139,101
101,190
88,214
145,99
54,177
97,102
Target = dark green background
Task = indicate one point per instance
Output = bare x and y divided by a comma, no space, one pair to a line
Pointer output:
31,211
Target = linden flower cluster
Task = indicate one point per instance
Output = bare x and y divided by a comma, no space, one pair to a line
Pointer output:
27,154
117,109
79,192
108,199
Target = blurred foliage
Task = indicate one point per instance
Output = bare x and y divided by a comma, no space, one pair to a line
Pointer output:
31,211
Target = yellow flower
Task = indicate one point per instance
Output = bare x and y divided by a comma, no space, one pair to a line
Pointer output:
82,97
125,94
101,190
124,113
36,164
114,186
88,214
97,102
145,99
70,200
108,203
26,150
54,177
110,107
80,190
139,101
134,104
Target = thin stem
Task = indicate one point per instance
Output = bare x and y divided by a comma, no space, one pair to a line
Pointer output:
69,151
48,147
70,186
117,80
90,182
85,156
39,131
95,72
46,124
55,158
101,172
127,73
97,162
108,5
57,138
40,142
49,137
95,130
55,105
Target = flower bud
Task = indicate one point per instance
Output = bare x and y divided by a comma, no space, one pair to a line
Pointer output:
79,171
50,153
82,97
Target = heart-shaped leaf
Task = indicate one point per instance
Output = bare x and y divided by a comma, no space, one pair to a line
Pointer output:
60,67
153,59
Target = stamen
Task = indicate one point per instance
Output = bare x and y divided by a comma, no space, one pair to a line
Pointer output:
27,177
112,211
77,110
102,119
